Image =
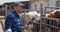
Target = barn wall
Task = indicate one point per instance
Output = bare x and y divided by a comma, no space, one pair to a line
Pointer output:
52,3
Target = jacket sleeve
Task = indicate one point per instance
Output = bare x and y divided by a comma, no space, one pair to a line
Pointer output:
18,24
8,23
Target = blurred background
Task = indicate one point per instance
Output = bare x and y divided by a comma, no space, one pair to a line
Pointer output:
42,15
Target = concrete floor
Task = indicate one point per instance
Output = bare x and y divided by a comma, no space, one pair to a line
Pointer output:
3,20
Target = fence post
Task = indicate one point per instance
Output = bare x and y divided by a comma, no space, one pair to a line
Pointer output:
41,17
6,11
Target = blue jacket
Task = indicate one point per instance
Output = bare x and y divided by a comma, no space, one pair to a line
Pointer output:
13,22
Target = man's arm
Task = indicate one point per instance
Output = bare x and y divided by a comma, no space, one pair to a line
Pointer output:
18,25
8,23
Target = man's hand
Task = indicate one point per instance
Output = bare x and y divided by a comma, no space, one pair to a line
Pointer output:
9,30
25,27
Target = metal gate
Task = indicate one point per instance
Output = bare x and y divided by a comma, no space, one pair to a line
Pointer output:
48,24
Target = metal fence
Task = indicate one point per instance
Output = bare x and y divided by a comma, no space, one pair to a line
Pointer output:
49,24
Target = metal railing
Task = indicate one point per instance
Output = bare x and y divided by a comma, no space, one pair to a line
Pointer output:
52,23
49,24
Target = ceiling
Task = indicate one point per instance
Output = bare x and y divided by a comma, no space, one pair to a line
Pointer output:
6,1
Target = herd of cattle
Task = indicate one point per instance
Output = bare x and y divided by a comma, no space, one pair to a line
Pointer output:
51,22
34,22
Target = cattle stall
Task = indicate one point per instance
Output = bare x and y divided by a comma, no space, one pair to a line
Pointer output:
49,24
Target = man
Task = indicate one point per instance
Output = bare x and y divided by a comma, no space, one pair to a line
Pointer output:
13,20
